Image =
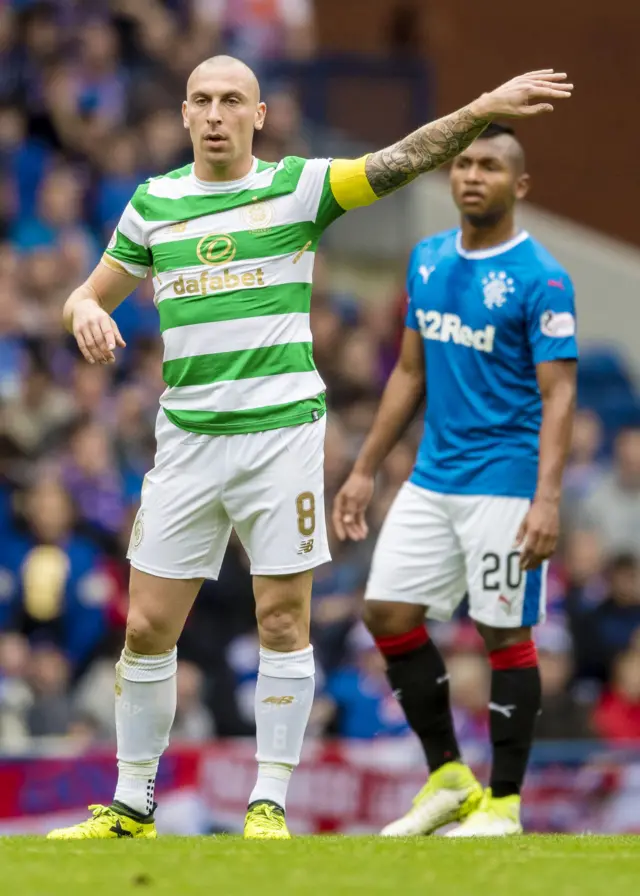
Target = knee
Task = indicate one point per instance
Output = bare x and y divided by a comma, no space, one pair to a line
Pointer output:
282,625
148,633
385,619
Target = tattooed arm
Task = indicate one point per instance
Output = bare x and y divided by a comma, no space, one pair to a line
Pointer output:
423,150
438,142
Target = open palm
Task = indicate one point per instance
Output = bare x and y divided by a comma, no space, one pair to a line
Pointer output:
526,95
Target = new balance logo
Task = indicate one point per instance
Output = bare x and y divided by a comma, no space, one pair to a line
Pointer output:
278,701
506,711
305,547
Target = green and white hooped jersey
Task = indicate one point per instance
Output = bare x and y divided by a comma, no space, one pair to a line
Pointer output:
232,265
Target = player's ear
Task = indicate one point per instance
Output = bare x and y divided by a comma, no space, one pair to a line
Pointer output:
523,185
261,112
185,120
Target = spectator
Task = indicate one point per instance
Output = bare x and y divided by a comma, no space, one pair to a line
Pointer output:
90,386
612,509
60,590
192,721
562,717
13,350
40,410
50,713
584,467
469,687
617,716
93,479
165,141
101,82
119,180
16,697
259,31
25,159
607,629
360,695
283,133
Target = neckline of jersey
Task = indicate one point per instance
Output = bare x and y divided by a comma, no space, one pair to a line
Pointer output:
225,186
500,249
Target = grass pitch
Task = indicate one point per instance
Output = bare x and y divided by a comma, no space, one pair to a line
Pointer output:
522,866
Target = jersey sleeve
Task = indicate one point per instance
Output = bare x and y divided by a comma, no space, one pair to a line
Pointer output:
128,248
410,319
551,319
327,188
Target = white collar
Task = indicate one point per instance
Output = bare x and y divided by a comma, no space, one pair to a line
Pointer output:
226,186
500,249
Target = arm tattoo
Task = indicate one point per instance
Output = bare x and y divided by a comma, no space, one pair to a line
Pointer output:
423,150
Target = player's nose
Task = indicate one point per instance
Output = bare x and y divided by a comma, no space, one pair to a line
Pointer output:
472,175
214,115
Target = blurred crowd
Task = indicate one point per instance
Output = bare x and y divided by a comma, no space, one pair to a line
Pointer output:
89,107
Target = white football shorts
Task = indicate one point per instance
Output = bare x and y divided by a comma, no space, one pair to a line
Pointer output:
268,486
435,548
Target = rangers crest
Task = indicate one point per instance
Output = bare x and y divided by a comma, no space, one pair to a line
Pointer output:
496,287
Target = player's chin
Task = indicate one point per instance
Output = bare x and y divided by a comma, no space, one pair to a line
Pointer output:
219,152
474,206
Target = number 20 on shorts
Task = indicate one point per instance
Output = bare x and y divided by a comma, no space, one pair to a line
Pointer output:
306,509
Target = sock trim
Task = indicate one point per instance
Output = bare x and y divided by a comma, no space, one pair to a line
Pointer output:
517,656
394,645
155,667
295,664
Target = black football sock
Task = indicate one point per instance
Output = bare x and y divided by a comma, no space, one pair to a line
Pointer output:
419,679
514,706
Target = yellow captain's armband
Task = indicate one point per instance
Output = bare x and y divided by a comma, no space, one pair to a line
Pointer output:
349,183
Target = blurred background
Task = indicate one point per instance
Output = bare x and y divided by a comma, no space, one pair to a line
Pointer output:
90,92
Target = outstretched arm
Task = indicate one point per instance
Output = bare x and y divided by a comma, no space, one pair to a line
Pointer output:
439,141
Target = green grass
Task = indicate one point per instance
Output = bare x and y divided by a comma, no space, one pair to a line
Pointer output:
218,866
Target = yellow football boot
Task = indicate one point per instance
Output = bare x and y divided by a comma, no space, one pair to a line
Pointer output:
106,823
450,794
494,817
265,821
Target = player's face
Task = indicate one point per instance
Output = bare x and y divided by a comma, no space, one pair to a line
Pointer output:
221,113
485,181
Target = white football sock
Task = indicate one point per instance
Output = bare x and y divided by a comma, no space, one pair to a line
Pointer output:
272,783
145,708
284,696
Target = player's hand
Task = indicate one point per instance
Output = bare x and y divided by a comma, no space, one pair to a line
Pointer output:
526,95
538,534
96,332
350,505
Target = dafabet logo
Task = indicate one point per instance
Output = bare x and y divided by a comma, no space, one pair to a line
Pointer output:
214,250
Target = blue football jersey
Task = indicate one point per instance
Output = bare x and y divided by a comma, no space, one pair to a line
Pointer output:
487,318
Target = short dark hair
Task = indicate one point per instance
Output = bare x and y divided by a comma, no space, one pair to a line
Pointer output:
495,129
516,152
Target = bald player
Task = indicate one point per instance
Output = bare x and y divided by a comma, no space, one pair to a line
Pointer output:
230,243
490,332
